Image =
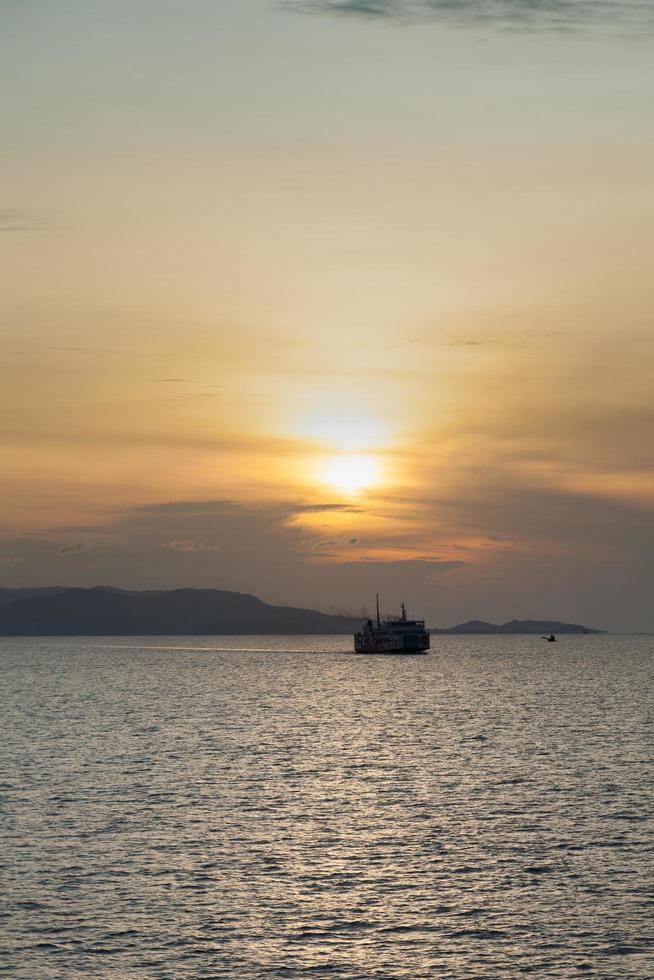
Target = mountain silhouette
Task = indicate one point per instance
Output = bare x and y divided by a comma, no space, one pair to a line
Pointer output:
105,611
117,612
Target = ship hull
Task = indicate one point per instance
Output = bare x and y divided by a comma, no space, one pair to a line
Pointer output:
401,646
393,653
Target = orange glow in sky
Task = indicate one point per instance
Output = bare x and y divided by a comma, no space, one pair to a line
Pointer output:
368,303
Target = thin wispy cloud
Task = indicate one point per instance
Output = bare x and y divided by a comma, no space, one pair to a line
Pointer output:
191,547
21,219
323,508
558,14
473,343
87,351
73,549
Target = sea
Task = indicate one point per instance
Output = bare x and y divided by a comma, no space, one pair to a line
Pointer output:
278,807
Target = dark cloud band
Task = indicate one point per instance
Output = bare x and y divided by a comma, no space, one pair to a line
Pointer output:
563,14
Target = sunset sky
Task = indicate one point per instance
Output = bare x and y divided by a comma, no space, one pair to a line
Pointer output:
313,300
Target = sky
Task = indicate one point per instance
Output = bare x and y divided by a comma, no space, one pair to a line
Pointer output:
320,299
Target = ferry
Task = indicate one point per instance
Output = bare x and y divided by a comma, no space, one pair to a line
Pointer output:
400,635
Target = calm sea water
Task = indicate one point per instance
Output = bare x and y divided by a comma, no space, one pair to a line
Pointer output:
277,807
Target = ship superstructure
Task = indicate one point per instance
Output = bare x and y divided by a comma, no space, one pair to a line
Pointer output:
400,635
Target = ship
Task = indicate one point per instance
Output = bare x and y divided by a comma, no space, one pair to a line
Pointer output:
400,635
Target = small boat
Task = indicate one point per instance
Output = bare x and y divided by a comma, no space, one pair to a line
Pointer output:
399,635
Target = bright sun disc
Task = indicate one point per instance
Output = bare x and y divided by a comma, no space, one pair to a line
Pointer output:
351,474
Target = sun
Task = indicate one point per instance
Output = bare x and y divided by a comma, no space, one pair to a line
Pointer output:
351,473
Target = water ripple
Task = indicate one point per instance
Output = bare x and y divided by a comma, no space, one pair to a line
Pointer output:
261,808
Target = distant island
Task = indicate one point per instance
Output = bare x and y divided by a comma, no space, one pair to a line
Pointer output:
527,626
104,611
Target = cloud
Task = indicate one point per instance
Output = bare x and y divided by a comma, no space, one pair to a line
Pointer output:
360,8
473,343
20,219
572,555
558,14
323,508
72,549
258,548
191,547
88,351
188,508
334,543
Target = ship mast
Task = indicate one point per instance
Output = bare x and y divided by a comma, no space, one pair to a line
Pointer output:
378,610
